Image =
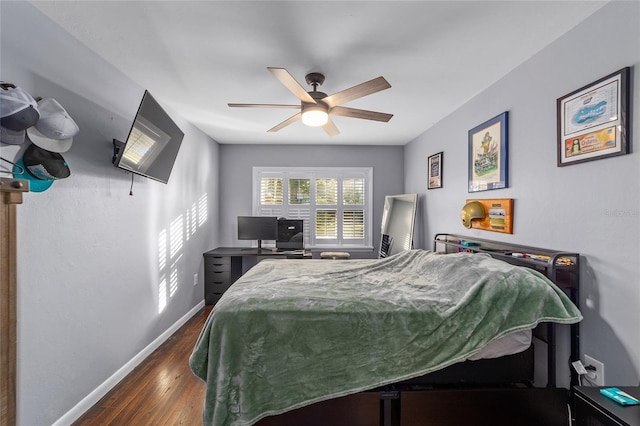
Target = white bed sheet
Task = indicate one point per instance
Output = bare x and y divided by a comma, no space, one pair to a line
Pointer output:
512,343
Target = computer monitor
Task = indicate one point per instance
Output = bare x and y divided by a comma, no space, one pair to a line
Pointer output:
290,233
257,228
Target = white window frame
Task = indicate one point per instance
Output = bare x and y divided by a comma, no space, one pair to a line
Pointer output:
312,173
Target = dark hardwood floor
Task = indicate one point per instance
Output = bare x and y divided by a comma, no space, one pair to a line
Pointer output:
162,390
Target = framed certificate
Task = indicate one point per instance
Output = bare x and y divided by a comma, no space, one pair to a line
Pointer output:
593,121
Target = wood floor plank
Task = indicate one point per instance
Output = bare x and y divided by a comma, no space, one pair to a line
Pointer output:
162,390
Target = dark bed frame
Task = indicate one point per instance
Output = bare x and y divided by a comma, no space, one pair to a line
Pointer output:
517,368
565,276
504,375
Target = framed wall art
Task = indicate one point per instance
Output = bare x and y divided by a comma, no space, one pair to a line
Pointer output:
488,154
435,171
593,121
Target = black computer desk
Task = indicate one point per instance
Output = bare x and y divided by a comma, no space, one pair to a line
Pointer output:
224,265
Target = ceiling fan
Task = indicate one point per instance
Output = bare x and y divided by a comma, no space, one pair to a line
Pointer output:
316,107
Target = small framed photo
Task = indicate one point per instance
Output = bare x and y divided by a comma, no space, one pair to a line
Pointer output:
435,171
593,121
488,154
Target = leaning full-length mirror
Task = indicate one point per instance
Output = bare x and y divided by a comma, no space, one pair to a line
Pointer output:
398,218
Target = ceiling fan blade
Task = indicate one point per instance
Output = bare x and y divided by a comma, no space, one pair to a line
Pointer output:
286,122
292,84
263,106
331,128
360,113
358,91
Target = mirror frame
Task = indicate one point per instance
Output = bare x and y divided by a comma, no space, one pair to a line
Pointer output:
398,221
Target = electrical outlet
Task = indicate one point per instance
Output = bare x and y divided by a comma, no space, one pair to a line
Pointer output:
195,279
596,375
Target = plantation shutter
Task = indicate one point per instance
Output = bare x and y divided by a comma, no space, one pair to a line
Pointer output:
334,203
271,193
271,197
299,196
353,224
353,197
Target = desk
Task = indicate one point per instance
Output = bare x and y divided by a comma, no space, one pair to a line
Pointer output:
224,265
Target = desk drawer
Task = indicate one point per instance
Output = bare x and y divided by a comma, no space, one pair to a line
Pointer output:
212,298
222,263
209,267
217,276
218,260
220,271
218,286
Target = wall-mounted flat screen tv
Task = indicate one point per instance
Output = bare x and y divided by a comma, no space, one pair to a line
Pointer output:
153,142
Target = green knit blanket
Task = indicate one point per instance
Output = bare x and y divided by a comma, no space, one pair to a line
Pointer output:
290,333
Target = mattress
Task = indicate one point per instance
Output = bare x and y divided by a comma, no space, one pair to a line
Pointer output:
510,344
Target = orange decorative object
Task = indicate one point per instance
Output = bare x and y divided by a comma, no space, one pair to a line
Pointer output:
499,215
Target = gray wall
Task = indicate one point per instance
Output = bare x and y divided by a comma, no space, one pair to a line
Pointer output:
237,161
90,277
89,281
591,208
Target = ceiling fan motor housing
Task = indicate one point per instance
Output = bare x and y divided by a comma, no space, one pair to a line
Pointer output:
314,79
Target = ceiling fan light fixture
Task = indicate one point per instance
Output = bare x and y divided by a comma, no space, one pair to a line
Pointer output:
315,106
315,115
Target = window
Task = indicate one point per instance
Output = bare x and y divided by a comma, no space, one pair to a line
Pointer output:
271,192
335,203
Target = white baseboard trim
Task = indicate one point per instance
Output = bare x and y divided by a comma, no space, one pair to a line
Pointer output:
95,396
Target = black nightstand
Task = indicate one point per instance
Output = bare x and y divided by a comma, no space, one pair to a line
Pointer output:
594,409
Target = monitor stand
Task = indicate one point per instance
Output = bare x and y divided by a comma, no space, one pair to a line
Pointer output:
258,249
266,250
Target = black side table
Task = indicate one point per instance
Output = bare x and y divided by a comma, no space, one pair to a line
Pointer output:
594,409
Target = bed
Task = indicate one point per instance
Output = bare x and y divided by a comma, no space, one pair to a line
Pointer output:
290,333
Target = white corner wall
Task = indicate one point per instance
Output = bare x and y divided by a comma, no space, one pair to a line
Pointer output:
101,274
592,208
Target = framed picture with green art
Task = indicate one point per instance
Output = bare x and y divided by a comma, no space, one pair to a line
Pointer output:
488,154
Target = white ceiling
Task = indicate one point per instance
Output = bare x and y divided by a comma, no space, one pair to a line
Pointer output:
197,56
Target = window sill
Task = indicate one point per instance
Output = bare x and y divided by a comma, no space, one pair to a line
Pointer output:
341,248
